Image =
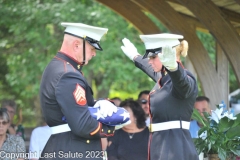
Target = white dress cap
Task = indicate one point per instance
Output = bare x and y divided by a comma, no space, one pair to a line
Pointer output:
154,41
82,30
91,33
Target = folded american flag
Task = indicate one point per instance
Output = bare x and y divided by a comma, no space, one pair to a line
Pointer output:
120,117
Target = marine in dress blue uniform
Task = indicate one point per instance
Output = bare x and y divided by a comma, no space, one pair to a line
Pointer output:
171,100
64,92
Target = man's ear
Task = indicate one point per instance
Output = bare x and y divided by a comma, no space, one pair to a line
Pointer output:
76,45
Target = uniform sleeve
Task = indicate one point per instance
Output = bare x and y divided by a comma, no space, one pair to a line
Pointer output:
184,85
71,95
146,68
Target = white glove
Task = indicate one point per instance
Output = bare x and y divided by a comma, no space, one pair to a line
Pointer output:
168,58
129,49
106,108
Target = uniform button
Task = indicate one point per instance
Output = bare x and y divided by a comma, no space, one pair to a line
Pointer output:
67,62
88,141
109,131
102,130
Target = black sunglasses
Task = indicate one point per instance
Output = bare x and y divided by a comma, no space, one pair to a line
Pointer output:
3,123
143,101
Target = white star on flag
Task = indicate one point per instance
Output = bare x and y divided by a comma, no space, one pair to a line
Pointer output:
99,115
125,115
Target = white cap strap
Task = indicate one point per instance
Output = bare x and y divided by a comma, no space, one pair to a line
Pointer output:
169,125
60,129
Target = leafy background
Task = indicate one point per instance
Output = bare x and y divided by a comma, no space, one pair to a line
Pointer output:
31,34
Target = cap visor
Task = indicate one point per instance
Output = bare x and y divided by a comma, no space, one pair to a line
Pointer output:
95,45
152,54
149,54
145,55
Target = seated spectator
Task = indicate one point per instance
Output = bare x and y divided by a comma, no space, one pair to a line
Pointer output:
38,140
9,143
131,141
11,107
143,100
202,105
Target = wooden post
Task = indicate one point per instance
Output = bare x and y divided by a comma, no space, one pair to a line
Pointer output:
223,73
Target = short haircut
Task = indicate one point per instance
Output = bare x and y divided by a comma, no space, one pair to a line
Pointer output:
116,98
143,92
8,102
137,110
202,98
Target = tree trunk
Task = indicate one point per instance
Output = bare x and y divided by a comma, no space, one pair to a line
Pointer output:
96,82
38,111
103,93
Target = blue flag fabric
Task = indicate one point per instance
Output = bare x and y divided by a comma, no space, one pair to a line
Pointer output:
120,117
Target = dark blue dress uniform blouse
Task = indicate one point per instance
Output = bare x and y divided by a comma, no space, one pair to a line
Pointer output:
60,82
172,98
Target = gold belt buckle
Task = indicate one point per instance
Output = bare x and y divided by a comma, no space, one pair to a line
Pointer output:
150,127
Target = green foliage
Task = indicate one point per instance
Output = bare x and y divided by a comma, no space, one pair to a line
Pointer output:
31,35
221,137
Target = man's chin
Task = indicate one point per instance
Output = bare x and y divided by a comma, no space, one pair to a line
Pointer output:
86,62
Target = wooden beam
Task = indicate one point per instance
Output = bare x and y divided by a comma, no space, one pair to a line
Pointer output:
223,72
133,14
197,53
194,22
238,1
238,30
230,15
215,21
